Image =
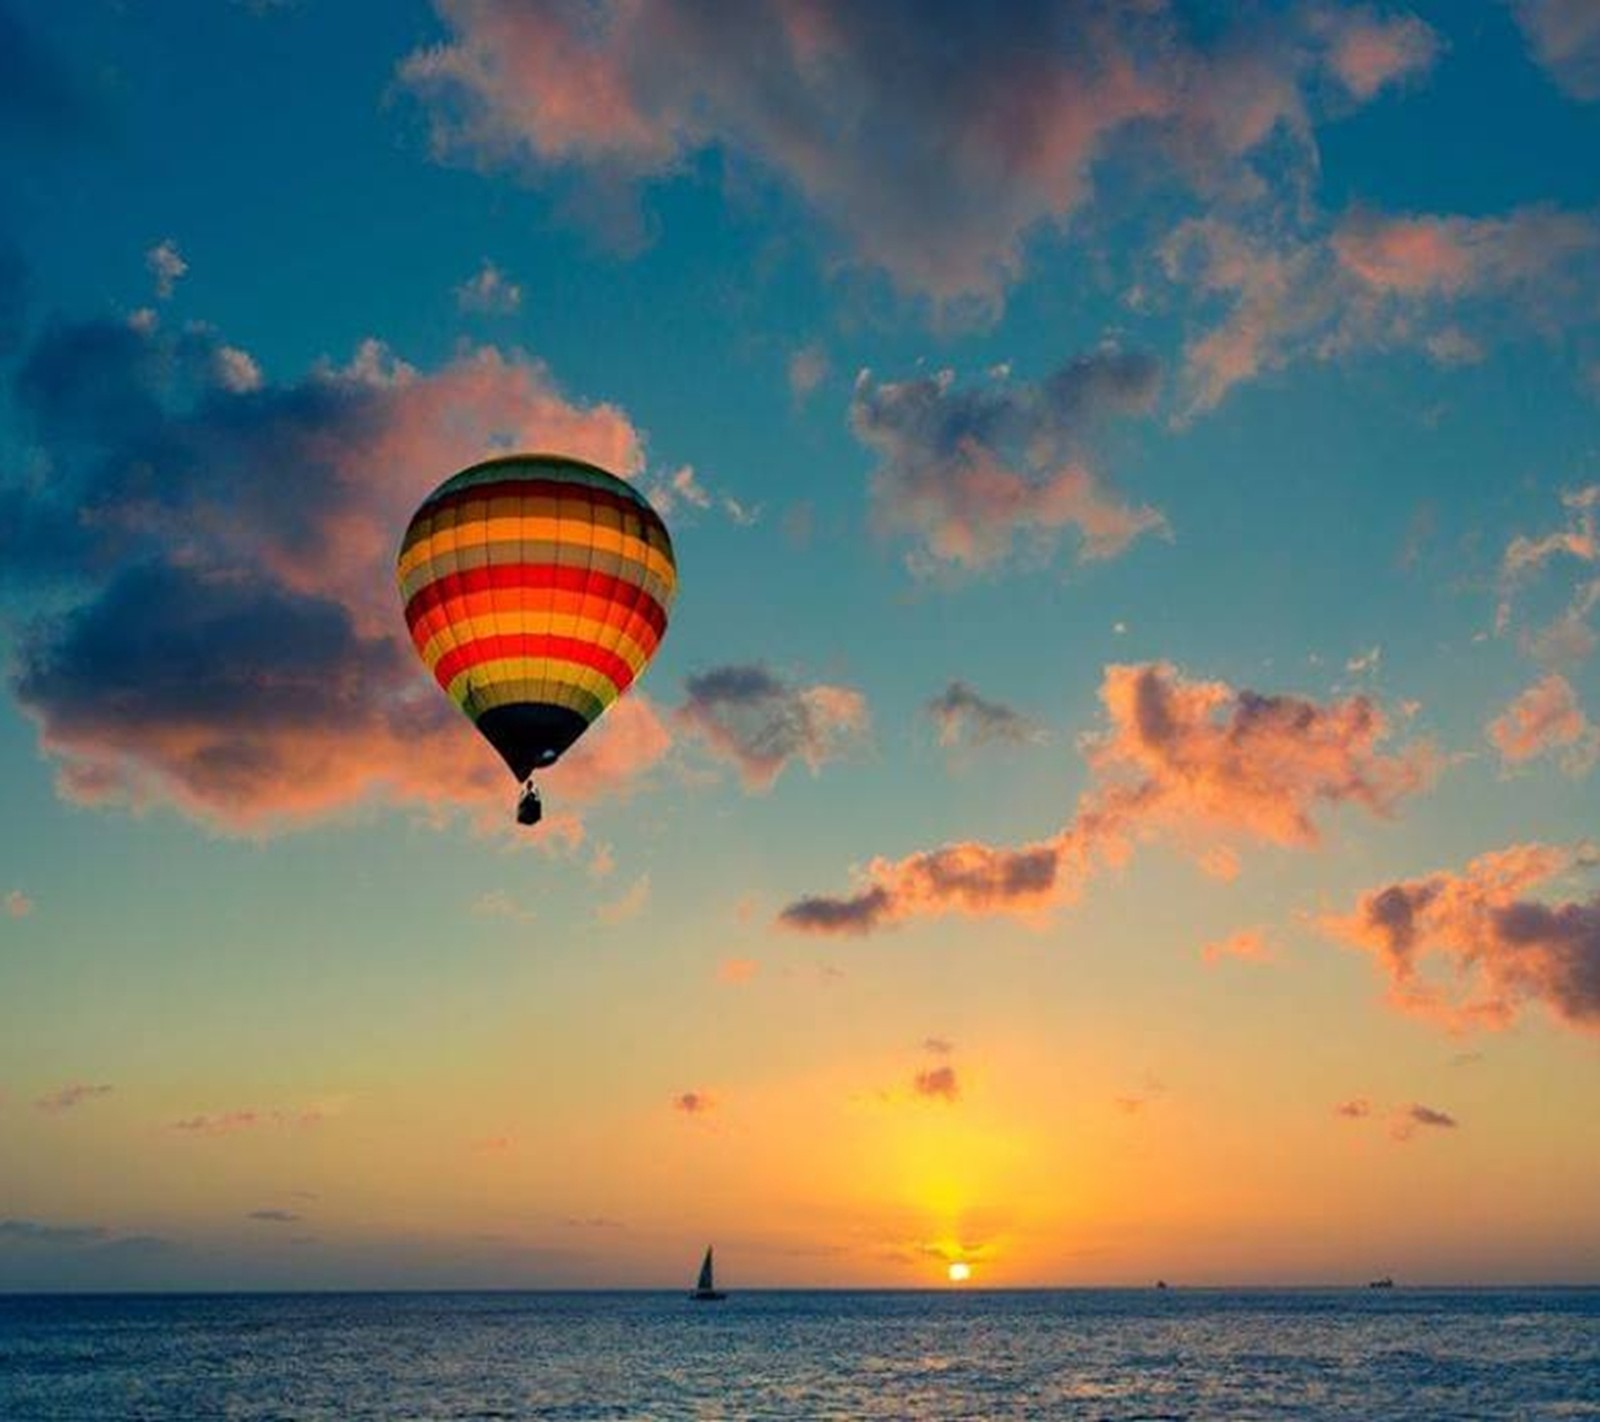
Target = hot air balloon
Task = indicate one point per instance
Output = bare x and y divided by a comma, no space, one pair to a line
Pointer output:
536,589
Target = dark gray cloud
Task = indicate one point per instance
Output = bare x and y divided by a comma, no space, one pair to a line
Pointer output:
56,1236
967,473
751,717
963,717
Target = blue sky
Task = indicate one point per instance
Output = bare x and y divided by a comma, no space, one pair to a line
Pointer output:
1254,351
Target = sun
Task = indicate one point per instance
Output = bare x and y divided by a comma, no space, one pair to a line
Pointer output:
960,1272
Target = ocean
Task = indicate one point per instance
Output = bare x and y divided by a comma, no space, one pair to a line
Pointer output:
1124,1354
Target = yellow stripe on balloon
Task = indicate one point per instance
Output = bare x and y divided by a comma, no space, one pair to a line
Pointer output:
452,538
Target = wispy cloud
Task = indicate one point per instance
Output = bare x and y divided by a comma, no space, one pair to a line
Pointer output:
1248,945
626,906
274,1216
18,904
227,1123
66,1098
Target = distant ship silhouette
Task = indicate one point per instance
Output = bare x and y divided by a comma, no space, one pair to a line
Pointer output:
1384,1283
705,1288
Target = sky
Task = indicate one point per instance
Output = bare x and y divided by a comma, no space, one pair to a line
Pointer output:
1116,798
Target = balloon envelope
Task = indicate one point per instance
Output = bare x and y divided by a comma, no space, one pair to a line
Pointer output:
536,589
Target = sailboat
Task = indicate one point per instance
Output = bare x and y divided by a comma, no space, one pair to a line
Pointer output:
705,1288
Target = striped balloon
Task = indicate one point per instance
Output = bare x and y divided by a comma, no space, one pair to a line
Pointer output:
536,589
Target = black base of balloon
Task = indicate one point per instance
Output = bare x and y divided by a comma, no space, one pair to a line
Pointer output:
529,738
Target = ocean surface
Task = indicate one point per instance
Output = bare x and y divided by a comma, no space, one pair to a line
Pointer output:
1181,1353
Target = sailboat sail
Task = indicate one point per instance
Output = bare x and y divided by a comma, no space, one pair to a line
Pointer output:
705,1288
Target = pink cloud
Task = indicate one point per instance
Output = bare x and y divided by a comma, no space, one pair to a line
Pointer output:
1373,281
737,971
1248,945
1543,719
1471,949
936,166
1368,53
1357,1108
937,1083
1575,551
1181,759
18,904
1447,256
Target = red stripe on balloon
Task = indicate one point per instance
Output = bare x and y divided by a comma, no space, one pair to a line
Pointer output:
458,583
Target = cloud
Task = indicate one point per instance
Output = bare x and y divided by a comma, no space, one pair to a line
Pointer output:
737,971
694,1103
274,1216
808,368
931,151
489,292
1300,289
1546,718
236,370
1575,548
1471,949
1177,758
938,1046
1248,945
1368,53
937,1084
497,903
1407,1120
1358,1108
223,636
626,907
59,1236
962,717
751,718
966,472
65,1098
167,266
1564,36
227,1123
18,904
